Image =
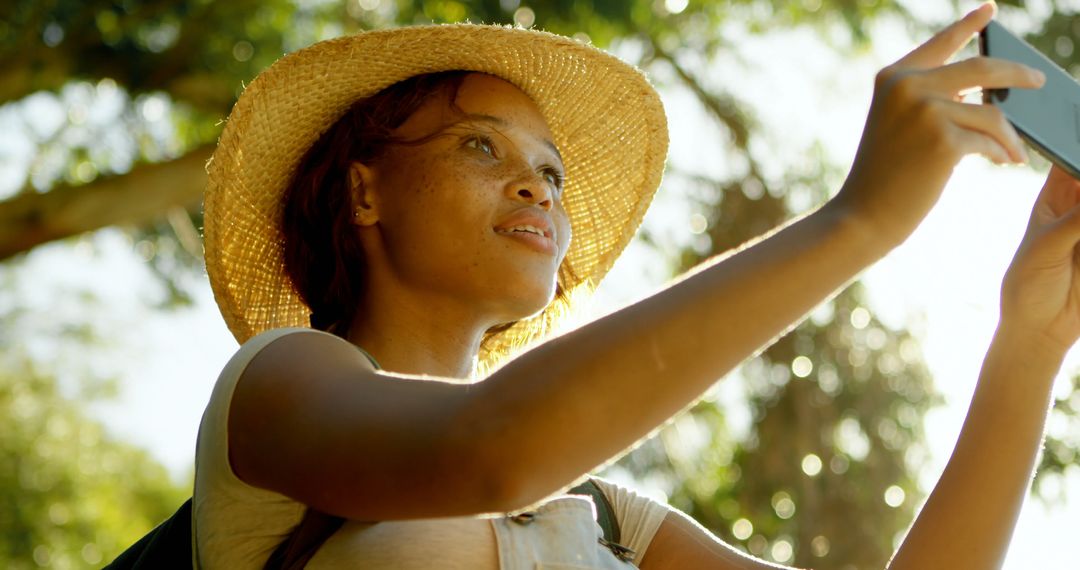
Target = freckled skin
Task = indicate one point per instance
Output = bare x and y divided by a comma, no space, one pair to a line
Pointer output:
435,205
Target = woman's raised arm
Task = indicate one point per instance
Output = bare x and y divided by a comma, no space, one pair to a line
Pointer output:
618,378
968,520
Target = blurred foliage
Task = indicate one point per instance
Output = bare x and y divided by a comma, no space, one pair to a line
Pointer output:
825,475
71,495
1061,452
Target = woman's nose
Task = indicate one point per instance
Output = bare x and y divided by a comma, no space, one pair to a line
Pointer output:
531,187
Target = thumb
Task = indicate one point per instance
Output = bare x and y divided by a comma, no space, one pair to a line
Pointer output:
1059,193
1062,235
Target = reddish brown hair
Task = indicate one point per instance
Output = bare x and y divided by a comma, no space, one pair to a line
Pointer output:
323,257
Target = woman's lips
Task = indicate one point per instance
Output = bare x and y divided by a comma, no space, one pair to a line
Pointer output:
536,242
531,227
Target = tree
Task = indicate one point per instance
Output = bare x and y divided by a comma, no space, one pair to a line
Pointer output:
199,53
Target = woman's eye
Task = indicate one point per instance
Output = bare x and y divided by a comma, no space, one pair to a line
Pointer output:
554,178
483,144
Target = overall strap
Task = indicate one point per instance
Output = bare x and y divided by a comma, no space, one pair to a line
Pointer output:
605,514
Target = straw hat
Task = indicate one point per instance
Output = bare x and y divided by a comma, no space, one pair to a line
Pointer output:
606,118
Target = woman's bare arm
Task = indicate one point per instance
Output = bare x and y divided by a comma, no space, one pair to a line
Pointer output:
681,543
969,518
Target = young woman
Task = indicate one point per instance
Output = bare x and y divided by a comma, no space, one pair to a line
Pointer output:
430,198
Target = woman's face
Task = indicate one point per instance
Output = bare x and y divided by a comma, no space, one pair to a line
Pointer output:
474,213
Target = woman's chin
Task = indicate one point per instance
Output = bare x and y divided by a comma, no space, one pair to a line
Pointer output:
525,306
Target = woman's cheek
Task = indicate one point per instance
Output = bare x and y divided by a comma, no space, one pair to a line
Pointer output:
565,232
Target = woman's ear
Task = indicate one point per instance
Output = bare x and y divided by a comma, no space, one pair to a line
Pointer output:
362,195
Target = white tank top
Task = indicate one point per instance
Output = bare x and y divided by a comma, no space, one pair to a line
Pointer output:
236,526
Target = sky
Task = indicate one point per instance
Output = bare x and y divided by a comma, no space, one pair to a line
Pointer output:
942,282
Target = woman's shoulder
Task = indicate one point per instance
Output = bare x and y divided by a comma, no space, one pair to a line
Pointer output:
257,343
225,507
247,351
214,423
260,342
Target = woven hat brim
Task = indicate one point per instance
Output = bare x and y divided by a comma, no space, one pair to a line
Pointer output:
607,121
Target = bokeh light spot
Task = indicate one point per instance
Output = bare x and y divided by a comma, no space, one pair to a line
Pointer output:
243,50
860,318
742,529
757,545
698,224
783,505
802,366
839,464
894,496
676,6
524,17
91,553
782,550
811,464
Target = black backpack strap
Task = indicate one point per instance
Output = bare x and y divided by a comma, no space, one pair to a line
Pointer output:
167,546
304,540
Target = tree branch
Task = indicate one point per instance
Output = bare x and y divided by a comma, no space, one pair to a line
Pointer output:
147,191
722,106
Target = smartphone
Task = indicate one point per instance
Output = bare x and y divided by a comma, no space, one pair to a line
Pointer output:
1048,118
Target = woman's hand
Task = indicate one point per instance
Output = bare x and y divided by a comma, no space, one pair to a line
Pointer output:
918,129
1040,295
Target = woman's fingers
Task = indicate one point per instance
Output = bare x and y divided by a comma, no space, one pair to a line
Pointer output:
986,131
985,72
975,142
947,42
